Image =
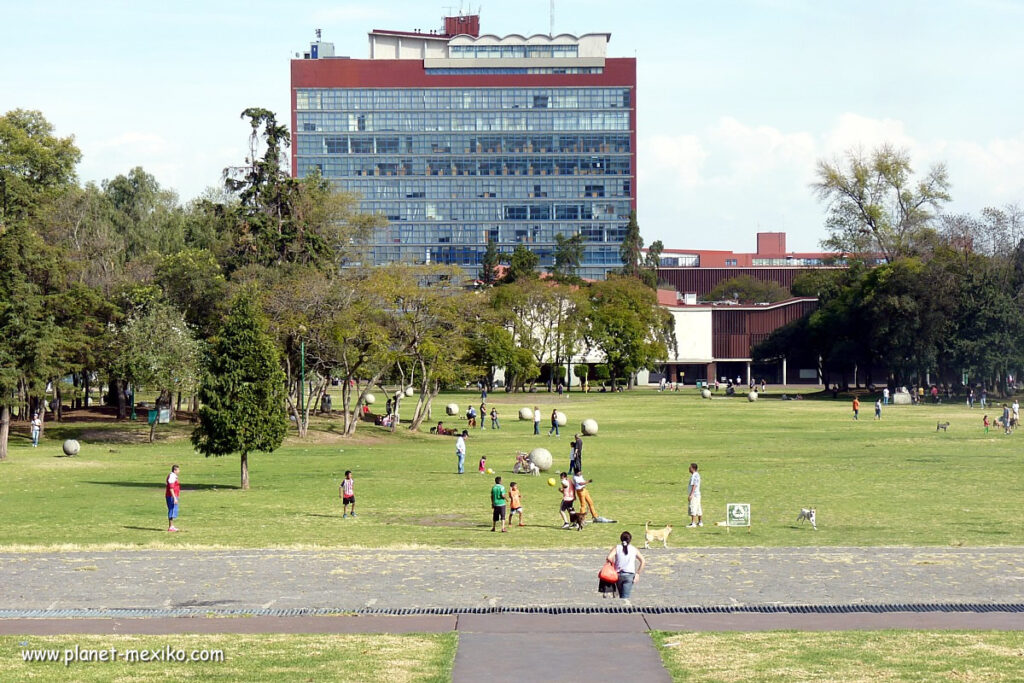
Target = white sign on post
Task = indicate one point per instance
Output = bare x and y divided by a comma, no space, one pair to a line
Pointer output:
737,514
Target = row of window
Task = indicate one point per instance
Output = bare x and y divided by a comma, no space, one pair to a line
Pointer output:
508,70
431,143
596,260
505,236
476,211
487,190
513,51
443,122
349,166
447,99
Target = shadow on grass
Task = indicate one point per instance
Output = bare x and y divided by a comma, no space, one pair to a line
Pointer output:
146,528
158,485
314,514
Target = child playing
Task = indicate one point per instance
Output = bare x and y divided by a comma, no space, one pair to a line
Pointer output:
985,423
494,418
565,487
347,493
515,504
483,464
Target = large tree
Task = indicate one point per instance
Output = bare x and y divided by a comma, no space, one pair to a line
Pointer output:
35,165
627,326
243,389
875,204
158,351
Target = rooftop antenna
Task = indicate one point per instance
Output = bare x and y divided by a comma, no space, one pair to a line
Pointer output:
318,35
552,27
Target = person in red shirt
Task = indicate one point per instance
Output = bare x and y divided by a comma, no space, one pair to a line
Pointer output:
171,492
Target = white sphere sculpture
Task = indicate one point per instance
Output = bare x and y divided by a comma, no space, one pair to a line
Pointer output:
752,396
705,393
452,409
409,391
589,427
71,447
560,418
526,413
369,399
541,457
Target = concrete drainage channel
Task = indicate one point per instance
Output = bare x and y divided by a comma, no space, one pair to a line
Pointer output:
441,611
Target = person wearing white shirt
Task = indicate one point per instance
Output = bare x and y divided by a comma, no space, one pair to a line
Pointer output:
536,421
628,563
693,499
460,449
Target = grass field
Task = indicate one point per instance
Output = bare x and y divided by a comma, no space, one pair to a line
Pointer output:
426,658
893,482
849,656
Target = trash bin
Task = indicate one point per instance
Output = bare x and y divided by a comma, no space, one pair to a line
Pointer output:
152,417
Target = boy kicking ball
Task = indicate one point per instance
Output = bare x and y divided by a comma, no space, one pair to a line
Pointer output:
347,493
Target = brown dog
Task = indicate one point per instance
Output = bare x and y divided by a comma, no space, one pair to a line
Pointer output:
656,535
576,519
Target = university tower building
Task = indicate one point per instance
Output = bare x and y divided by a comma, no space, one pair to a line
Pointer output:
459,138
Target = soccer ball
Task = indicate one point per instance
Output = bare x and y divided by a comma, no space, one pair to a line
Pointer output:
490,471
551,481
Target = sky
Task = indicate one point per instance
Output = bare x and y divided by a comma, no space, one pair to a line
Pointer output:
737,99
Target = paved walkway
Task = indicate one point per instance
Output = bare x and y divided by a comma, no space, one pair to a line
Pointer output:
510,646
350,580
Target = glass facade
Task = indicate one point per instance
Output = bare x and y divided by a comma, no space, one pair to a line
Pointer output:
451,168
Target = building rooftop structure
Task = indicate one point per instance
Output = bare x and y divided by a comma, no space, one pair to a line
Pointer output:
771,251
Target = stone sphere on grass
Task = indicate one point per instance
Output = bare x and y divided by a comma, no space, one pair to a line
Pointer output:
541,457
526,413
409,391
705,393
71,447
452,409
560,418
369,399
589,427
752,396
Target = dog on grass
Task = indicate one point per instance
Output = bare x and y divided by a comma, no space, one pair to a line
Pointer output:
656,535
577,519
809,515
941,425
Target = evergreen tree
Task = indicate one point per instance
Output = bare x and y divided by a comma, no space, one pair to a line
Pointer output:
522,265
631,251
489,263
243,390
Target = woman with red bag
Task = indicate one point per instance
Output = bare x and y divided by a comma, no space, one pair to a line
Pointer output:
627,563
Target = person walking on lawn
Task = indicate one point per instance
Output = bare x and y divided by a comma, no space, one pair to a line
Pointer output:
172,492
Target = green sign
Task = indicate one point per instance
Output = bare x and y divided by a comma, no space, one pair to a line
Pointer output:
737,514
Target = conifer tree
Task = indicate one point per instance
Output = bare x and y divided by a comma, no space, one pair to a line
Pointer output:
243,390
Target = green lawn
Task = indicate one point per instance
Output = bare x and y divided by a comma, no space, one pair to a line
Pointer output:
246,657
894,482
849,656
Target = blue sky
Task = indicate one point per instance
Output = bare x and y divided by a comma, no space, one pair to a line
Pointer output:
737,98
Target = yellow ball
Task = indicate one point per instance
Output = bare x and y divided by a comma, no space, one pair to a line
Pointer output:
490,471
551,481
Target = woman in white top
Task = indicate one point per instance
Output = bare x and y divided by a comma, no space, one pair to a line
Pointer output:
628,563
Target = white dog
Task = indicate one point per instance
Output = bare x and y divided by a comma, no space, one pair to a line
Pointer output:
533,469
809,515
